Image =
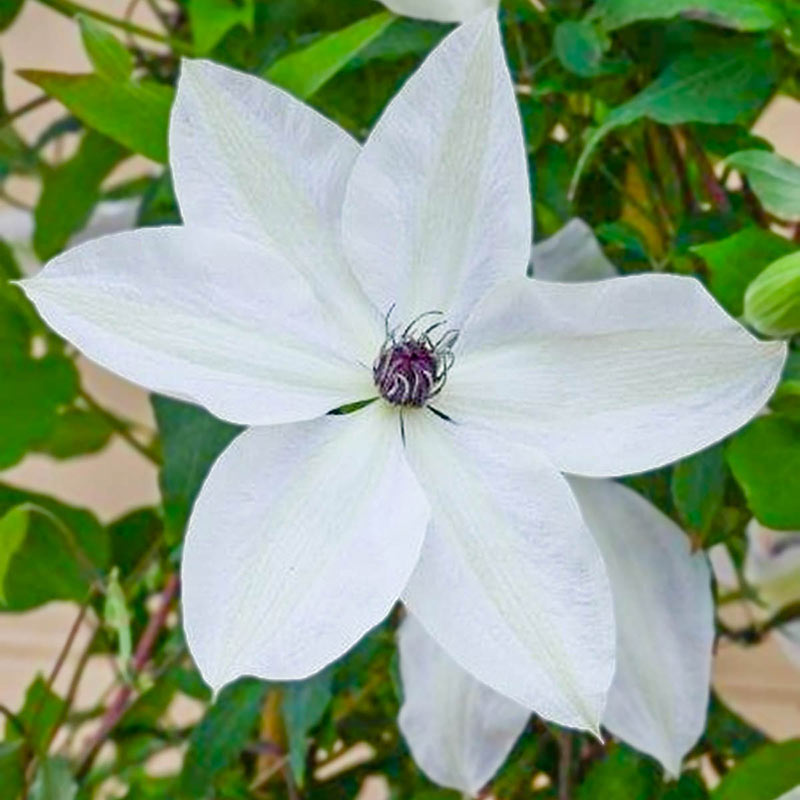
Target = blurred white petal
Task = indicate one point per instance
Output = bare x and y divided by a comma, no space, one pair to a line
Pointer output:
664,613
572,254
440,10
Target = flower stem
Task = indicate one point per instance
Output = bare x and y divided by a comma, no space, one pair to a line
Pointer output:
70,9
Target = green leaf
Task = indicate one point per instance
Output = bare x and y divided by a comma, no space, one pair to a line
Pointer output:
698,489
191,441
38,380
220,736
63,551
304,704
40,716
12,768
579,47
727,734
622,775
723,86
212,19
735,261
133,113
690,787
765,460
77,432
70,192
772,301
118,618
745,15
766,774
8,12
132,536
108,55
775,180
13,527
304,72
54,781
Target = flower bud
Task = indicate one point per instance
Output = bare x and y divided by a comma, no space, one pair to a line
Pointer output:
772,300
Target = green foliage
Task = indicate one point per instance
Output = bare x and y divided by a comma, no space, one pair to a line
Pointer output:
621,775
698,489
765,775
746,15
775,180
54,781
765,459
304,72
772,301
191,439
109,57
735,261
212,19
8,12
304,704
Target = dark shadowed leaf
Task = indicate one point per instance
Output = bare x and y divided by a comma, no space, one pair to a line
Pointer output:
698,489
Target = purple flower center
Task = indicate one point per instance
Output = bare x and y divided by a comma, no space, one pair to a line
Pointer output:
411,367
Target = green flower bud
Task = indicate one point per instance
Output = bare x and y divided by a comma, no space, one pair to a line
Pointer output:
772,300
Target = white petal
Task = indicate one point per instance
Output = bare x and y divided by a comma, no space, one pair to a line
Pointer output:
572,254
772,564
510,582
458,730
301,541
249,158
611,377
665,622
438,207
204,316
440,10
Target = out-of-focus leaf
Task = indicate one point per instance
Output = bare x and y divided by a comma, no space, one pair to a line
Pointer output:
212,19
77,432
723,140
304,704
765,460
38,380
579,47
621,775
63,551
745,15
698,488
108,55
54,780
775,180
220,736
403,38
304,72
132,536
133,113
772,301
716,87
70,192
766,774
13,527
735,261
159,205
118,618
39,716
689,787
12,768
192,439
8,12
727,734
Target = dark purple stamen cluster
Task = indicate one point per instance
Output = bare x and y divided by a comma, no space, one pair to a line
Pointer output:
411,367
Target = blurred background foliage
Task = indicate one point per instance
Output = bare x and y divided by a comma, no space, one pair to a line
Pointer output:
638,116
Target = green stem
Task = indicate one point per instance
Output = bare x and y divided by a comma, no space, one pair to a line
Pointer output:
70,9
122,428
31,105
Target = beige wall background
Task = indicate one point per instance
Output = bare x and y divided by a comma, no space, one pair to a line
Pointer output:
759,682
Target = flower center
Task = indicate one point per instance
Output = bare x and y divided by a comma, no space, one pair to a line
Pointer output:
412,364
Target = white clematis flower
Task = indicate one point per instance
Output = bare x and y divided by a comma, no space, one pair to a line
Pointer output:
440,10
311,273
460,731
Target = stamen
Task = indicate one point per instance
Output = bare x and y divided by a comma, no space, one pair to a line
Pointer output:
411,368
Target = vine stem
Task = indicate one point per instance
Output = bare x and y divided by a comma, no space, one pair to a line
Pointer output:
142,654
25,108
70,9
564,765
122,428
